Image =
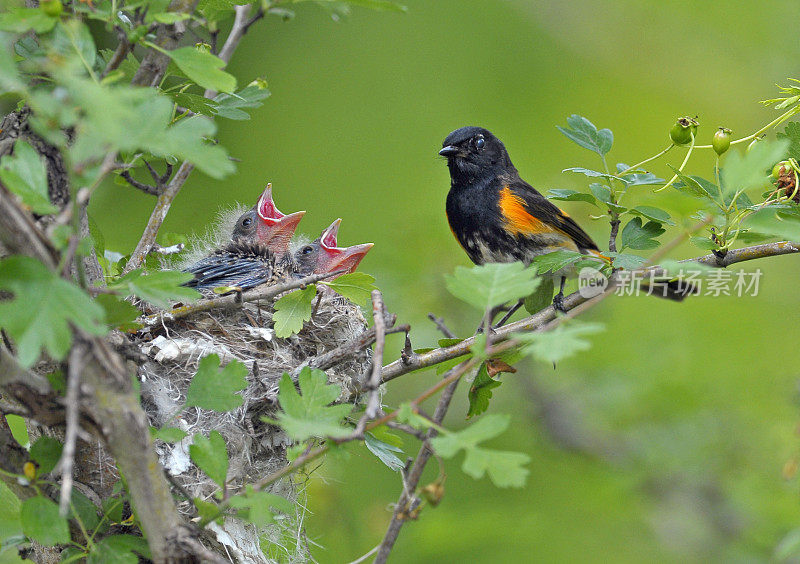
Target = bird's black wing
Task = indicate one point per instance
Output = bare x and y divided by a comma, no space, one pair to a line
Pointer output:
233,266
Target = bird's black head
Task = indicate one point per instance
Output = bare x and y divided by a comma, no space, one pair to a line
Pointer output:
246,226
473,153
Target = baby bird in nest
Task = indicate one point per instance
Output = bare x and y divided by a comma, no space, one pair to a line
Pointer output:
253,258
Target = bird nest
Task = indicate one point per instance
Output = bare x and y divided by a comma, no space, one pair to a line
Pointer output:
255,448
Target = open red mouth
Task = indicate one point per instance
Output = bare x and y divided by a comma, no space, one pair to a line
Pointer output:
276,228
333,258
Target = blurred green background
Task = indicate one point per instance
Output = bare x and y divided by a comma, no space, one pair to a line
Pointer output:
664,442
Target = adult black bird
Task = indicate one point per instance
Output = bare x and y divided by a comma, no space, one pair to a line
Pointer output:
497,216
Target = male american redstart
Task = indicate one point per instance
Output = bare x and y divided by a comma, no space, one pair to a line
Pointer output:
498,217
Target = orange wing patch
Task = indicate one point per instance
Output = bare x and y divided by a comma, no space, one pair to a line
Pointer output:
518,220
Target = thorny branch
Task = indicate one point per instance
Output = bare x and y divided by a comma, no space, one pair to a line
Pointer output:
424,360
232,301
240,26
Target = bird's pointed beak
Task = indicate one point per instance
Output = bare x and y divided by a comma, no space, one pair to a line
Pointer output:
332,258
449,151
276,228
266,208
328,237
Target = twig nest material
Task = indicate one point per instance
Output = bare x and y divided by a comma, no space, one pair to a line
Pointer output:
255,448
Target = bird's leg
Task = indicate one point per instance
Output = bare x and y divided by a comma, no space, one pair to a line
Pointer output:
491,315
511,311
558,299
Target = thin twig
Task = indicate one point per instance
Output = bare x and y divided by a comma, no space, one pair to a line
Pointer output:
412,479
440,325
233,301
367,555
374,383
119,54
157,217
240,27
67,462
424,360
146,188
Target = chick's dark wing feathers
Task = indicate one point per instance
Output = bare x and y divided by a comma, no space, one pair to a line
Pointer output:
547,212
235,265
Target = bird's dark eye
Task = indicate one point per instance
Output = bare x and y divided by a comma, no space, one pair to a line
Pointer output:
307,250
480,141
246,222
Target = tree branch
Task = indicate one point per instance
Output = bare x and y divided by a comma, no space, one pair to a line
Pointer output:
431,358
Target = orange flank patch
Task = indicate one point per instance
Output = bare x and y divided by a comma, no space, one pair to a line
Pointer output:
518,220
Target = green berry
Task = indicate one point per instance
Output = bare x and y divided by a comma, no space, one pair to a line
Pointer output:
52,8
722,140
780,168
683,130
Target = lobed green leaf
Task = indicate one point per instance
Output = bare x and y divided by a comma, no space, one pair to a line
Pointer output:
215,389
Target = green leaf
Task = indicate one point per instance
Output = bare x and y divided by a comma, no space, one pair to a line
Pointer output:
749,170
292,310
46,451
407,414
10,520
20,20
203,67
119,548
208,511
24,173
627,261
356,286
211,456
566,195
772,222
9,77
492,284
384,452
73,37
791,133
118,312
216,389
480,392
42,523
703,242
168,18
560,343
256,507
542,297
83,509
170,434
583,132
132,119
555,261
656,214
158,287
194,102
638,178
18,430
505,469
43,307
230,105
640,237
308,413
697,186
594,173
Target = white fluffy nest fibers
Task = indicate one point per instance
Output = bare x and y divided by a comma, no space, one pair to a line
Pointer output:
255,448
